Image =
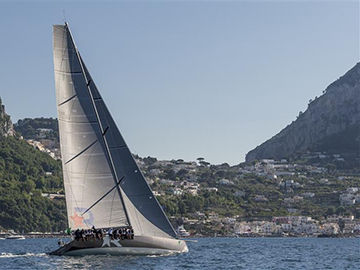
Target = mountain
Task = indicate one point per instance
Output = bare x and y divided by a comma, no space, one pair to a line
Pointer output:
330,124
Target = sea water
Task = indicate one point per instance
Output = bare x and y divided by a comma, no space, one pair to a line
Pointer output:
207,253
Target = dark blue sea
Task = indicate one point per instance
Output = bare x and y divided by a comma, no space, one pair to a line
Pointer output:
207,253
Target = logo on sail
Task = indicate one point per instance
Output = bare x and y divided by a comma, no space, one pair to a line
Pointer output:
82,221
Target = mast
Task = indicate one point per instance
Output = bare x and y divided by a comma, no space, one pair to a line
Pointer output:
103,132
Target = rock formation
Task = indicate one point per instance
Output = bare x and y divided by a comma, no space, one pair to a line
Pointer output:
330,124
6,126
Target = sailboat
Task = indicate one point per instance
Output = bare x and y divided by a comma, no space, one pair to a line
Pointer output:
104,186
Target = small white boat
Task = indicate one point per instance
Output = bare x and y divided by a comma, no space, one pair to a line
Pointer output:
15,237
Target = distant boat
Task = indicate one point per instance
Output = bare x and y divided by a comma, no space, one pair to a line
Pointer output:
182,232
15,237
104,187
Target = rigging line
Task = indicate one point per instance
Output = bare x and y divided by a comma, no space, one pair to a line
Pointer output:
102,197
112,167
111,209
70,98
71,159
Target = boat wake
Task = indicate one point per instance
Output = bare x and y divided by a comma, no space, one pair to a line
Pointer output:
12,255
163,255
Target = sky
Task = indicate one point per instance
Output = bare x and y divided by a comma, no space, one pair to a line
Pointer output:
184,79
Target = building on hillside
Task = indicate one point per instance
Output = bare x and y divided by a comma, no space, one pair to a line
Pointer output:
177,191
260,198
329,228
225,182
308,195
53,196
212,189
347,199
352,190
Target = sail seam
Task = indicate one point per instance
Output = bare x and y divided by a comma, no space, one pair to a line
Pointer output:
66,72
118,147
74,122
80,152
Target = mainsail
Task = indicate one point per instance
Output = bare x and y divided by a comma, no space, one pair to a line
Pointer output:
95,158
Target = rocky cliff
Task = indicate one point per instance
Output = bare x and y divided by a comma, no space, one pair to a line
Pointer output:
330,124
6,126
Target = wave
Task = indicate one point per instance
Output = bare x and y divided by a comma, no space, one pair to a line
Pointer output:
29,254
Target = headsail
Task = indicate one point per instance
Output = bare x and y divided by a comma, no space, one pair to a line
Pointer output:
89,164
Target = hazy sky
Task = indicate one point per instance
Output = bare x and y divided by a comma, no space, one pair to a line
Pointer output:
184,79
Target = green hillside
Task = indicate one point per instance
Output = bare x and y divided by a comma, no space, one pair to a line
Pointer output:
310,185
24,176
250,193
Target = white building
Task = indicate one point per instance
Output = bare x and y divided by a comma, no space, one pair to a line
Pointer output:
177,191
352,190
329,228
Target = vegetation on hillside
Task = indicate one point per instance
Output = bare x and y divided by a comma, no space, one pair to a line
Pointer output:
240,197
25,173
28,127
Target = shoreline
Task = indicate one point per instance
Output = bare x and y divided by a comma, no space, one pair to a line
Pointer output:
55,235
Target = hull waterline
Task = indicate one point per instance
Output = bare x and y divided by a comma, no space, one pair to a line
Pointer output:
121,251
140,245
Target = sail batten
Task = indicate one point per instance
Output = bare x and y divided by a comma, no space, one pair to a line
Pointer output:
92,142
71,159
67,100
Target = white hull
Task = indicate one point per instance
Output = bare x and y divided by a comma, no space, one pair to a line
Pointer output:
15,237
